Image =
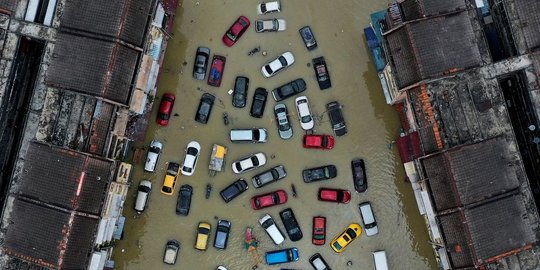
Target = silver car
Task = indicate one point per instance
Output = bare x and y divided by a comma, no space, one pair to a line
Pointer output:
201,63
270,25
269,176
284,126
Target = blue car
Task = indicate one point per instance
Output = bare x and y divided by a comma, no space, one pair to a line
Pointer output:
282,256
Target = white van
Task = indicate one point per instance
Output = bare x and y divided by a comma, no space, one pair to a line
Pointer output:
267,222
379,259
368,218
257,135
143,192
153,156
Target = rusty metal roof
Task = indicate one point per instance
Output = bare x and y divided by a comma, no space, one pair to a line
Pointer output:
92,66
122,19
530,21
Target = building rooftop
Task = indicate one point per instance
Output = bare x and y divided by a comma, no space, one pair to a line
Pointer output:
416,9
9,5
529,16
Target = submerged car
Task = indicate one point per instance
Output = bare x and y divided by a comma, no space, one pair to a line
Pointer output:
304,113
216,70
269,199
269,7
183,203
236,31
259,102
267,222
284,60
165,109
249,163
319,173
201,63
233,190
336,118
239,97
222,234
203,233
282,117
205,108
289,89
359,175
321,72
269,176
345,238
282,256
309,39
334,195
193,150
319,231
172,248
318,141
153,156
169,182
291,224
271,25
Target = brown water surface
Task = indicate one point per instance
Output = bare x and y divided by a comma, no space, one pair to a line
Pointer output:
338,27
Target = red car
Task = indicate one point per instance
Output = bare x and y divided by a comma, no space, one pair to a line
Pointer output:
236,31
269,199
165,109
319,141
319,231
334,195
216,70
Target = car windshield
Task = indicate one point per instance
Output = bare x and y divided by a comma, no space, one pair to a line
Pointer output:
267,223
326,172
268,69
324,141
340,196
231,36
257,203
164,116
283,61
203,230
255,161
238,166
263,8
370,225
350,232
186,169
192,151
318,236
337,245
256,134
275,197
346,238
306,119
284,127
243,23
166,189
275,174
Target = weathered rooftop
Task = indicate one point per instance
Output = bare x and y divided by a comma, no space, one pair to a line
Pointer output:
529,16
416,9
9,5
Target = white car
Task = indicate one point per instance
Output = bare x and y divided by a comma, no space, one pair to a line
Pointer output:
249,163
304,113
271,229
193,150
271,25
153,156
269,7
283,61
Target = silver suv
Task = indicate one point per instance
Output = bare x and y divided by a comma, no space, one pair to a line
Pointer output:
269,176
284,126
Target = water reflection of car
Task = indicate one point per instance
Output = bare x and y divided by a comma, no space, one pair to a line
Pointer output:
319,141
284,60
308,38
269,225
319,231
183,203
172,248
236,31
259,102
205,108
318,262
336,118
350,233
282,256
191,156
203,232
270,25
359,175
169,182
165,109
269,7
233,190
282,117
334,195
239,96
216,70
249,163
268,199
304,113
222,234
319,173
291,224
269,176
201,63
321,72
289,89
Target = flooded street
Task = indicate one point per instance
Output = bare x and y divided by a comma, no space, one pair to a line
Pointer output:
338,28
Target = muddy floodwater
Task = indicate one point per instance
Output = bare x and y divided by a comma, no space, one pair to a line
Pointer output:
338,28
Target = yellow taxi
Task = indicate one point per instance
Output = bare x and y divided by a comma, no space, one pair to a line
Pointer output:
203,232
341,241
169,183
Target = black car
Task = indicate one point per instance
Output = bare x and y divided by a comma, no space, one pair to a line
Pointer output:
259,102
336,118
318,262
289,89
321,72
222,234
201,63
319,173
308,38
205,108
359,175
183,203
240,92
234,189
291,225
